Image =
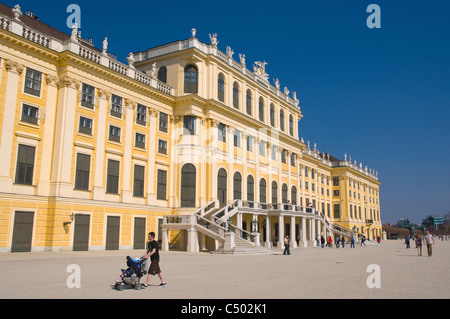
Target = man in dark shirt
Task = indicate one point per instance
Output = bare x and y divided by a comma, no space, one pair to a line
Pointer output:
153,253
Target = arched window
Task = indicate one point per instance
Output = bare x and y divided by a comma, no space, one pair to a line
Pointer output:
294,195
188,185
249,102
236,95
221,88
250,188
274,192
291,125
237,181
284,193
222,187
162,74
282,120
272,115
261,109
190,79
262,191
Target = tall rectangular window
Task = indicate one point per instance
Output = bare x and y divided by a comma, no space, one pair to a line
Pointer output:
163,122
237,138
141,115
189,125
162,147
140,141
337,210
88,96
116,106
222,134
139,180
112,182
33,80
25,164
162,185
82,172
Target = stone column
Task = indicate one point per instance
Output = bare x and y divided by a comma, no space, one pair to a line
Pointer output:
98,189
63,145
165,240
128,139
14,70
293,234
268,243
303,242
281,232
152,144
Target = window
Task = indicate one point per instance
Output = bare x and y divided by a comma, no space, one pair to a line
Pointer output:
163,122
139,181
249,144
221,88
306,171
336,193
313,173
261,109
88,96
237,138
190,79
82,172
272,115
274,152
262,148
337,210
162,185
114,133
292,159
140,141
262,191
283,156
237,189
294,195
291,125
222,133
141,115
116,106
189,125
33,81
162,74
282,120
112,181
250,188
335,181
274,192
162,147
284,194
85,126
25,164
30,114
249,102
236,95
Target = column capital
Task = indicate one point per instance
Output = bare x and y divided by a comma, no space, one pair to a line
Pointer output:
15,67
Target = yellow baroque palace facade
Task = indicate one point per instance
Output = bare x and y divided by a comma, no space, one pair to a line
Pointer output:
181,140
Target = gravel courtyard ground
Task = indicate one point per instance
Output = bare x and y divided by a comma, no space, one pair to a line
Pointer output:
308,273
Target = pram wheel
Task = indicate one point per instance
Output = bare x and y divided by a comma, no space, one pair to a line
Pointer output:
138,287
118,287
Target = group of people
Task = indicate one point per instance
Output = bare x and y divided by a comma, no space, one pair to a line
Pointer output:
420,240
338,241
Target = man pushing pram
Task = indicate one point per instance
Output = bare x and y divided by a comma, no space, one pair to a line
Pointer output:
131,276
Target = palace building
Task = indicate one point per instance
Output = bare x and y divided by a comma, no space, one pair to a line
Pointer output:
182,140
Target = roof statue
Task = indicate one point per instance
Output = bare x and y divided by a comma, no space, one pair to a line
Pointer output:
260,69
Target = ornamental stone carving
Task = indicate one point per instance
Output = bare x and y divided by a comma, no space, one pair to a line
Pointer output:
12,66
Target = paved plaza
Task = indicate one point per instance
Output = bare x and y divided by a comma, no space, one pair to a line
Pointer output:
308,273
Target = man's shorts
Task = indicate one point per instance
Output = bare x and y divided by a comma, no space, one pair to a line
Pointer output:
154,268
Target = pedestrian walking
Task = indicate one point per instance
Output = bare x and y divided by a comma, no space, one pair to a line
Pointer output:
153,253
419,245
343,241
318,240
363,239
287,244
337,241
329,242
352,243
322,241
429,240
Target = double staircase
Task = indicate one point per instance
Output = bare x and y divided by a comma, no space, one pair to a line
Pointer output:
215,222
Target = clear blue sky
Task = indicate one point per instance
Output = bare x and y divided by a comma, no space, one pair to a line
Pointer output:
380,95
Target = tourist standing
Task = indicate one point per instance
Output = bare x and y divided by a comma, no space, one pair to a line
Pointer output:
318,240
407,239
343,241
352,243
429,240
287,244
322,241
338,239
363,239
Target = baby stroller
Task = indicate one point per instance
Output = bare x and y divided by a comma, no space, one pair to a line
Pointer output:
131,277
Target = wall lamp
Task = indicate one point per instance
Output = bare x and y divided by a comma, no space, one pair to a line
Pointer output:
72,217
